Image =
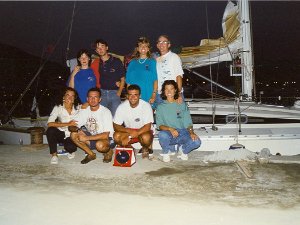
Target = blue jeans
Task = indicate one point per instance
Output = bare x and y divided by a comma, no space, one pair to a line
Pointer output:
168,142
110,100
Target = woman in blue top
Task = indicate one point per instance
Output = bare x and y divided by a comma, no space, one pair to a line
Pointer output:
142,71
82,78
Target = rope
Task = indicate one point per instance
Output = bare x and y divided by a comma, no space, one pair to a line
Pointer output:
38,72
213,105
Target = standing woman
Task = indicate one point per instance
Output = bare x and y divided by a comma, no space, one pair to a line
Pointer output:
60,118
142,71
82,78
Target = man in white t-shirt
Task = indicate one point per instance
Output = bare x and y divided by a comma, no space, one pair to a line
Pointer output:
168,66
133,121
94,128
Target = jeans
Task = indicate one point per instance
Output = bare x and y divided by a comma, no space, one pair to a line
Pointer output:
168,142
55,136
110,100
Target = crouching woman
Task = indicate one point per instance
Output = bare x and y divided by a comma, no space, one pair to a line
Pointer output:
60,118
175,124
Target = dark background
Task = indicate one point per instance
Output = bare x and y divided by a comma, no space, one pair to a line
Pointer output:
42,29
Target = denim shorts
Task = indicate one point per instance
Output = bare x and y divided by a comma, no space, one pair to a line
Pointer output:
112,144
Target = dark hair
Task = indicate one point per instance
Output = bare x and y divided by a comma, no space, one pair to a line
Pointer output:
169,82
141,40
80,53
94,89
165,36
134,87
101,41
61,94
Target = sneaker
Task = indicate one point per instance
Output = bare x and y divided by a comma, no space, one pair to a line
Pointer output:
150,152
88,158
183,156
54,160
169,153
108,156
62,152
141,151
179,150
145,154
71,155
166,158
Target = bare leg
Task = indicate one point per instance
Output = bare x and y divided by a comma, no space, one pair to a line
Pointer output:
103,147
146,140
121,138
91,155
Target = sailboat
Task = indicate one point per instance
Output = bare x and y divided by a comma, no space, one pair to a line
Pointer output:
276,128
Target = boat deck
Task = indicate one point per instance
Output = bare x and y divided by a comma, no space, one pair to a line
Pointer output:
278,138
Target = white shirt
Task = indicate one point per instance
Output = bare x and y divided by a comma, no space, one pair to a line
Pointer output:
60,113
134,117
96,122
168,67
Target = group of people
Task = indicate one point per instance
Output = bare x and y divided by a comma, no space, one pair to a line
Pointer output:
101,121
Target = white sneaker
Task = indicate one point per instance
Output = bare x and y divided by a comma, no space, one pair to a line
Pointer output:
71,155
54,160
169,153
183,156
179,150
166,158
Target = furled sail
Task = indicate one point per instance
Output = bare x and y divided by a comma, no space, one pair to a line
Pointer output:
211,51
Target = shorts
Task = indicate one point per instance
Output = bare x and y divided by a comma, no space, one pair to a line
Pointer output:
112,144
136,139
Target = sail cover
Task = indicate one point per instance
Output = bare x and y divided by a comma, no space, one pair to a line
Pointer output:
211,51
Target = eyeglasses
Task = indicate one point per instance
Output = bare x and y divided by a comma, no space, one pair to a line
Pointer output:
163,42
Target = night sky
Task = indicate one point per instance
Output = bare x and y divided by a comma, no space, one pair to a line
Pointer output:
36,26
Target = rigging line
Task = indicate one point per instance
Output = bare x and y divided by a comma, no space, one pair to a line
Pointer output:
46,35
213,105
70,32
252,49
218,64
44,50
208,92
38,72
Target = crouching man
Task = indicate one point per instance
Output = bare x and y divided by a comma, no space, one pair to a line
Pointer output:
137,117
94,128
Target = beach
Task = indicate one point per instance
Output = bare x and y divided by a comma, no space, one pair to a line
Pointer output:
150,192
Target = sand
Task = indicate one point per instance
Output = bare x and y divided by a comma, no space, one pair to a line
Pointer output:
33,192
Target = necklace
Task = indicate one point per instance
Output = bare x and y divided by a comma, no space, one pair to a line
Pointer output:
142,61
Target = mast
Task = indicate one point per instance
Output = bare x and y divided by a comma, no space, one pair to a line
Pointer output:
246,54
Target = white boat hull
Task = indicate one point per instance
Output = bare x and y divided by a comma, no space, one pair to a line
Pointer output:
278,138
283,138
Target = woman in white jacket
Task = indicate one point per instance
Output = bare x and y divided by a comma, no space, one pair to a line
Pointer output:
60,118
